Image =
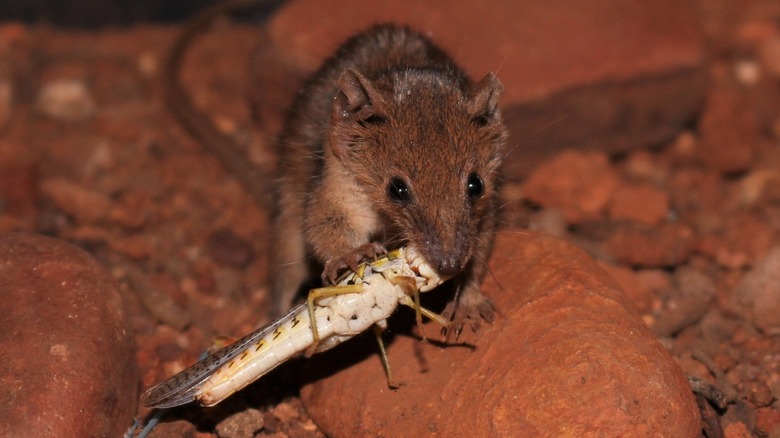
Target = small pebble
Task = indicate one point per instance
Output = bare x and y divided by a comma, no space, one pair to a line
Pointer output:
643,166
639,294
728,133
242,424
158,303
768,422
640,203
690,301
747,72
85,205
669,244
170,429
286,412
758,185
550,221
580,184
759,290
148,64
67,100
759,394
736,430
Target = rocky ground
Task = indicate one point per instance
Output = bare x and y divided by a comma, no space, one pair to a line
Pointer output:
689,228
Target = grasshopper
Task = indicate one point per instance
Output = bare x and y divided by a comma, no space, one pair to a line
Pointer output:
330,316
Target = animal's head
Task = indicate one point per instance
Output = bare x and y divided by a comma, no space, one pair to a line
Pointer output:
425,145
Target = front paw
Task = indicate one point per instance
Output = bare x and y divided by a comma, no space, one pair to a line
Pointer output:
470,307
350,261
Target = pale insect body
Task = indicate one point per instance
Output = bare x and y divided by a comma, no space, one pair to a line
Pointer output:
359,301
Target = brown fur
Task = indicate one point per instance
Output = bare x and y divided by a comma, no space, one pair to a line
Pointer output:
389,104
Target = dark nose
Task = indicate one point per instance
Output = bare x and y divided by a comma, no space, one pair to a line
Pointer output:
448,266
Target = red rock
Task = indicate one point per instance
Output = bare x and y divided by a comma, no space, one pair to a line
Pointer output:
640,203
576,74
760,395
768,422
758,187
70,368
174,429
85,205
547,220
728,133
692,367
736,430
656,280
687,303
745,241
667,245
156,297
640,296
132,210
565,358
775,388
645,166
696,190
580,184
716,330
67,100
137,247
242,424
759,291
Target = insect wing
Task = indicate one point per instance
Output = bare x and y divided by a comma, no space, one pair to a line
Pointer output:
183,387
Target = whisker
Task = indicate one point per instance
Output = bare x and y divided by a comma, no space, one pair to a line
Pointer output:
490,271
501,65
549,124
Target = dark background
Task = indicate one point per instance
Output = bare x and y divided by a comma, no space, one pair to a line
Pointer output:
96,14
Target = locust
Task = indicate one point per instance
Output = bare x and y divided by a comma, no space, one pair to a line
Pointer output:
359,300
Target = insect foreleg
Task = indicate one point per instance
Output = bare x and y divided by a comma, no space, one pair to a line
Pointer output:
324,292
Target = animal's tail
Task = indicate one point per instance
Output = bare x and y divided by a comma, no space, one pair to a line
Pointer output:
198,124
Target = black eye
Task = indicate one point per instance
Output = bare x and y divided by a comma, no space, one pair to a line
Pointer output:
398,191
474,186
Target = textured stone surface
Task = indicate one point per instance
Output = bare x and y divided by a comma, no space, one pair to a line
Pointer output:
759,291
643,203
667,245
580,184
728,133
564,358
68,366
606,74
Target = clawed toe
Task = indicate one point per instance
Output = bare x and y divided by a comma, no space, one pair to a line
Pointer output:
467,311
350,261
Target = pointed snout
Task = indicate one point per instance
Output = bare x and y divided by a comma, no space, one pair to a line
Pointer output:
449,264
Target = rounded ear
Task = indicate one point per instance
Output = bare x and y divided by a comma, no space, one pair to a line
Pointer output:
358,103
358,99
483,98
